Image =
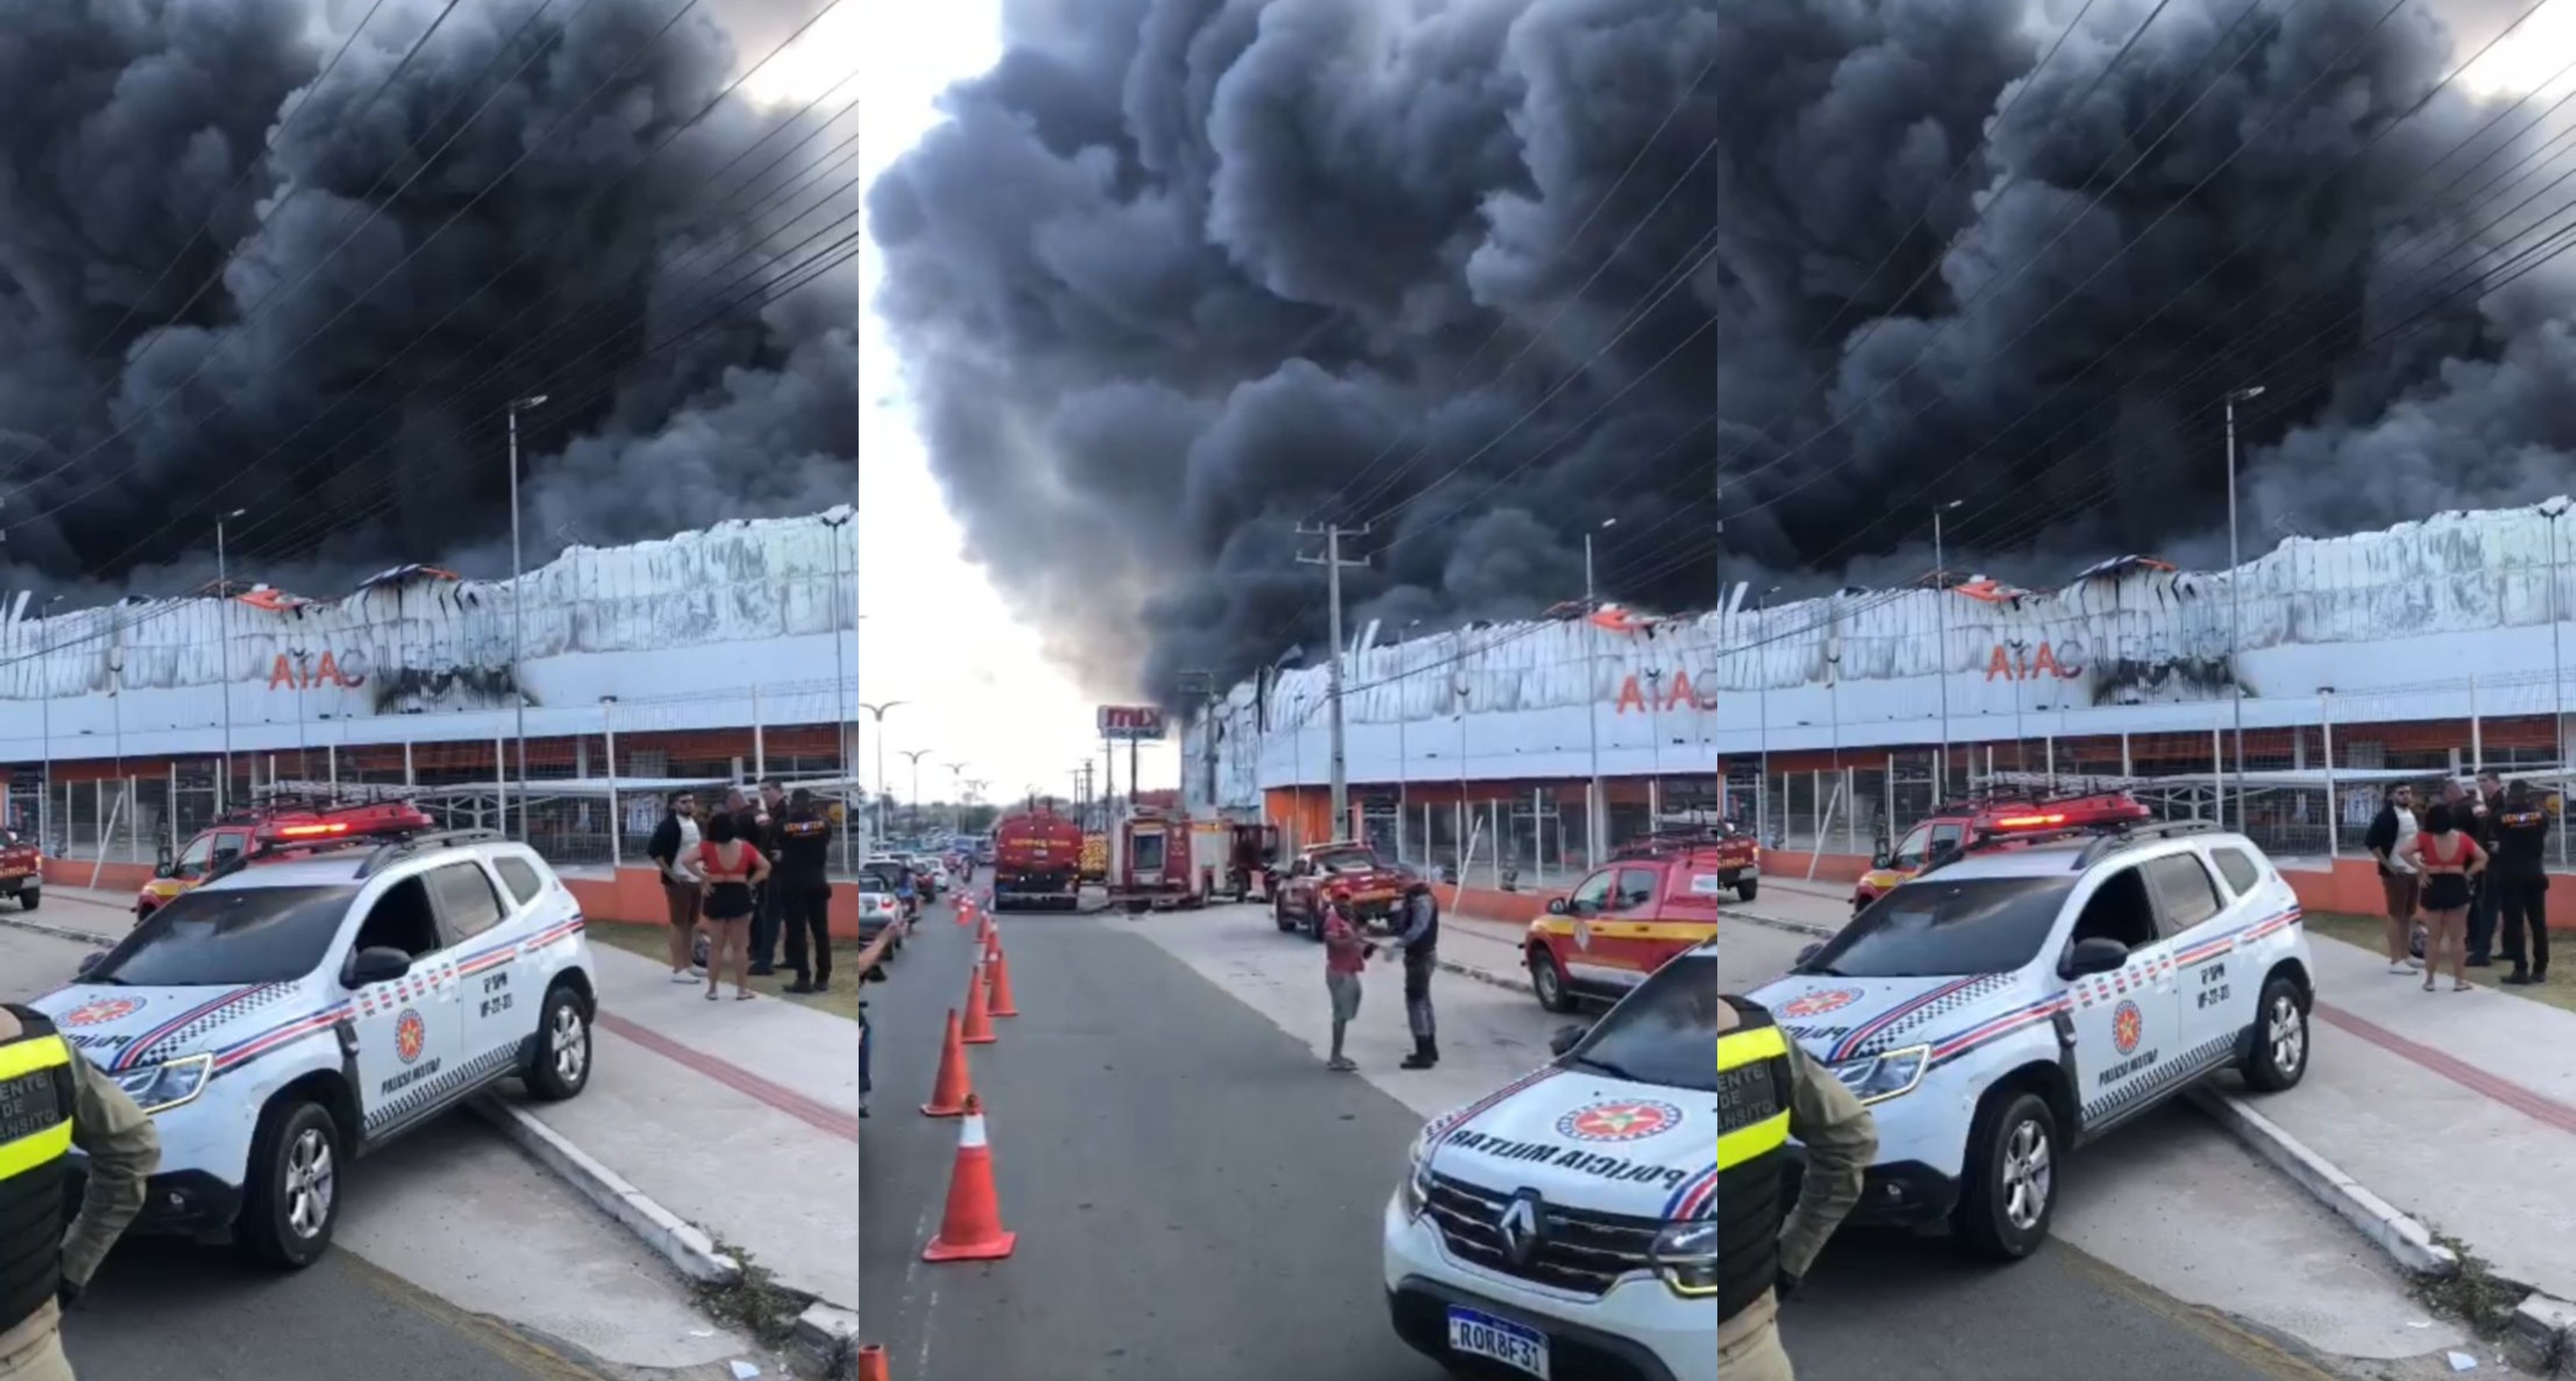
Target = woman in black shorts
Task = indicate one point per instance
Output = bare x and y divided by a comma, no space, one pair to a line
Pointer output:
2448,858
728,868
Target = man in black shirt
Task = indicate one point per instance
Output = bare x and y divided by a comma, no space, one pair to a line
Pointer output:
2484,805
2521,883
805,892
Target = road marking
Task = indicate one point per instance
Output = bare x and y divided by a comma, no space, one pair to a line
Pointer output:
819,1116
2538,1107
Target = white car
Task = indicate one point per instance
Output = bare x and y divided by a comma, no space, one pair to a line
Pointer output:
1565,1225
294,1014
2016,1001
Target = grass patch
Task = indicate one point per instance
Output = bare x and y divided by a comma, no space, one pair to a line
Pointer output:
2366,932
2476,1296
757,1305
842,1001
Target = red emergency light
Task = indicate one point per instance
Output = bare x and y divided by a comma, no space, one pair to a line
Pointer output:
312,831
2028,822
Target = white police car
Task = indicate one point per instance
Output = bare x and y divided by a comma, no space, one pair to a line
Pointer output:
289,1016
1565,1225
2014,1002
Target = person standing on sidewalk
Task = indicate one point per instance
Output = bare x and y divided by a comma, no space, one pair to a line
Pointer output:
2391,832
2450,861
676,838
2520,879
1768,1092
2483,805
804,889
1346,958
1418,939
728,867
766,819
56,1103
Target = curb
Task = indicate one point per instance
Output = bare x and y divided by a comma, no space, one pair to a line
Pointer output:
2400,1236
829,1331
1465,970
2541,1334
58,932
684,1246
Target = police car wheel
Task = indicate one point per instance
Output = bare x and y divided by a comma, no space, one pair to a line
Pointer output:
2279,1057
1547,979
561,1067
2011,1189
292,1202
27,899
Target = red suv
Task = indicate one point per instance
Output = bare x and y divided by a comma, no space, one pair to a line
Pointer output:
1963,825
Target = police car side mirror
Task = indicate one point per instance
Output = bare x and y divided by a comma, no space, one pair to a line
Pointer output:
1807,952
161,870
1881,859
1556,907
1566,1038
2095,955
377,964
91,960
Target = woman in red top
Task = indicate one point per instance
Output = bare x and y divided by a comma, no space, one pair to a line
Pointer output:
728,868
2448,858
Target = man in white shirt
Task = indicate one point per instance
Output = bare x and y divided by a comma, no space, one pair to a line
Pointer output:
675,840
2399,883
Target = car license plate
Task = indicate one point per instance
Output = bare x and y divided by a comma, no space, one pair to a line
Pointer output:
1479,1334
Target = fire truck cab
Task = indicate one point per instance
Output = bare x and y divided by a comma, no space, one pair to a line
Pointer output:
1964,825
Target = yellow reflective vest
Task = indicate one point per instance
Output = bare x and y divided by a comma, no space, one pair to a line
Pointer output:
36,1096
1753,1091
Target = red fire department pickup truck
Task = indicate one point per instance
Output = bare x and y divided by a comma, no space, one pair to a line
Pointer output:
22,868
1963,825
1347,870
259,829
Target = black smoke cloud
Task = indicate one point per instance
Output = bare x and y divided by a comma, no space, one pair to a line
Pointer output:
1177,275
628,288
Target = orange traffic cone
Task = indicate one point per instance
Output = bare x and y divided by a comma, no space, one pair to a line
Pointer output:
992,947
956,1083
971,1230
1000,1003
965,915
872,1363
979,1011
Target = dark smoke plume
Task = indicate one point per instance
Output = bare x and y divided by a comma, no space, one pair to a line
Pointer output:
1177,275
354,402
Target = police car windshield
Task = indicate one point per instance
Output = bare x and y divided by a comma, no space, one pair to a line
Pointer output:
1662,1032
1944,927
228,936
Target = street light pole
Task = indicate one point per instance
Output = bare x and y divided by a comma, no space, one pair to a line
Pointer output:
1762,704
878,714
916,754
956,807
518,600
843,724
224,654
45,697
2235,628
1941,657
1404,769
1595,828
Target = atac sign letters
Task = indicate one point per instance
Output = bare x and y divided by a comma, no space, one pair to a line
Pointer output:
1645,695
316,673
2027,664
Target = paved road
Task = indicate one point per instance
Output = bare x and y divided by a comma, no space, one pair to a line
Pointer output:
1196,1197
456,1260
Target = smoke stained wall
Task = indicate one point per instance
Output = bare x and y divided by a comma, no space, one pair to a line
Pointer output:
1177,275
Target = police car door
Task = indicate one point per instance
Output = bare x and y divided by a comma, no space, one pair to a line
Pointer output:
486,960
407,1029
2212,1000
2127,1022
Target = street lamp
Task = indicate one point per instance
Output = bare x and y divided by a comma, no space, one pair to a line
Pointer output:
1595,833
224,653
956,808
878,713
45,697
1941,657
2235,629
1404,768
518,601
916,754
843,725
1762,703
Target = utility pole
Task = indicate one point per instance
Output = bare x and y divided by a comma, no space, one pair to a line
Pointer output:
1941,654
224,635
2235,629
1333,564
518,600
1596,810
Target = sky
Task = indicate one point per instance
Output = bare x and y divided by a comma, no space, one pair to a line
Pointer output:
974,686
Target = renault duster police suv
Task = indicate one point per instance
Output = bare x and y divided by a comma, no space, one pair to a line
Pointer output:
2013,1001
1565,1225
280,1020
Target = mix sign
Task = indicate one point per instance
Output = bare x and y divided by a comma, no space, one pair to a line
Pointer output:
1132,723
